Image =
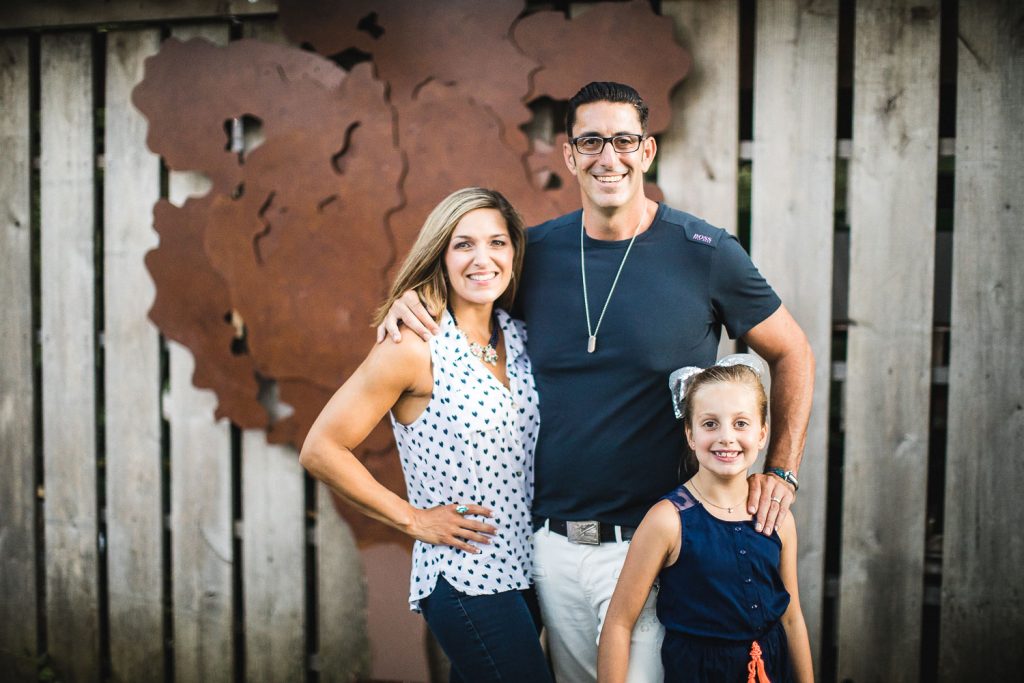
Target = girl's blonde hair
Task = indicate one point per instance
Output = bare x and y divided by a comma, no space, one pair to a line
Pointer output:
423,270
718,374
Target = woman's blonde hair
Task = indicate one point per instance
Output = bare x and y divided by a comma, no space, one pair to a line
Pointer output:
423,270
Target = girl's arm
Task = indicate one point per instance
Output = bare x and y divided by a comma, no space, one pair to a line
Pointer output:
793,619
654,542
391,373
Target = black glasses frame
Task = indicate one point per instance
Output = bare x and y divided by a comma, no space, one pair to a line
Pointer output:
604,141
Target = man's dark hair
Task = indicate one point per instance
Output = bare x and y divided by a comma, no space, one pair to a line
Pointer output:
605,91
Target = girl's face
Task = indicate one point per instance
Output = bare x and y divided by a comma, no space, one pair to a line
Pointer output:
479,258
726,431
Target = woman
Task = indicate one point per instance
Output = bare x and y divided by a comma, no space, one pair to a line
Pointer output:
464,411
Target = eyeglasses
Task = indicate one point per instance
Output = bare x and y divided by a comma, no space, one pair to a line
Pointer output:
594,144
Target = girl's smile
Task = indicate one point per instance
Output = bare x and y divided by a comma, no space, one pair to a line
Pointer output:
726,431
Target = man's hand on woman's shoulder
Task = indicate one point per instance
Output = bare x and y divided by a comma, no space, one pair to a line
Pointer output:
407,310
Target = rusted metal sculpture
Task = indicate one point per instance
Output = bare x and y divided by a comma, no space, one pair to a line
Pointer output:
271,277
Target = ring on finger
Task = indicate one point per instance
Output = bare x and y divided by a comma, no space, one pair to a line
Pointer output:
461,509
776,500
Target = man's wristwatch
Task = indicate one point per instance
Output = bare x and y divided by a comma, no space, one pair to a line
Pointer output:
785,475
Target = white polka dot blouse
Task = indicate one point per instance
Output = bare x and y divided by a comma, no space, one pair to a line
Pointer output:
474,444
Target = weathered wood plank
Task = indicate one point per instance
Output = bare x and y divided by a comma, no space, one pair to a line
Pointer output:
201,516
982,581
792,226
344,646
54,13
344,649
132,372
273,560
698,156
67,160
266,29
343,625
201,527
892,224
17,409
273,542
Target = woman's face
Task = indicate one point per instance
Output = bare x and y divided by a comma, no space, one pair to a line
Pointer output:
479,258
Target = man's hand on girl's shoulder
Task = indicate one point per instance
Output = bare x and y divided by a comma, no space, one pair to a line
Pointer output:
769,498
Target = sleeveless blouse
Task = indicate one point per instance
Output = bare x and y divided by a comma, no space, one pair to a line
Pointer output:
726,582
474,444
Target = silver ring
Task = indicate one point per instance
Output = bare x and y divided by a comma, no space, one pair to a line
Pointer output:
461,509
776,500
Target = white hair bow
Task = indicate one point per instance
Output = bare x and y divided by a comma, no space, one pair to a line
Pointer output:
679,380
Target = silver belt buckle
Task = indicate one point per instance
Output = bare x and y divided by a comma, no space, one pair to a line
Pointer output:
584,533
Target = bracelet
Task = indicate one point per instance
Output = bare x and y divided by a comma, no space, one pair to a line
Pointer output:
785,475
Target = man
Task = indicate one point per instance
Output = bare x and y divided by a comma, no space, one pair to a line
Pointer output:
615,298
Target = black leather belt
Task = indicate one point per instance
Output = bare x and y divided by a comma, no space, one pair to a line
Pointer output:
585,532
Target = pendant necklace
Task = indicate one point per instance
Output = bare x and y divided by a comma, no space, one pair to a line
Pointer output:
592,333
727,508
489,353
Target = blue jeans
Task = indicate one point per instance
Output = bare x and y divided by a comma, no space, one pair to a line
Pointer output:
487,637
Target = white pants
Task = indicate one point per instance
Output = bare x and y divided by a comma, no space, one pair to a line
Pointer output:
575,584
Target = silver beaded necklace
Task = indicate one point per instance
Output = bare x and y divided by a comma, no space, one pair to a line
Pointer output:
592,333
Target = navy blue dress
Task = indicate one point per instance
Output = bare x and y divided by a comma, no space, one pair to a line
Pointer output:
722,594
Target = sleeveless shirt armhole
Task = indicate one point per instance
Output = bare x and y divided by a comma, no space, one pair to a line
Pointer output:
681,498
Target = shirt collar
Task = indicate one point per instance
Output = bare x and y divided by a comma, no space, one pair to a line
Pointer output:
452,340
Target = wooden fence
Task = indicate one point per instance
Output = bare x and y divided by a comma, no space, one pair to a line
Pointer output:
142,540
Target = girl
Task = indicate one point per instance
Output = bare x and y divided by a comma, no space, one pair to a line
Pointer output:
464,412
728,595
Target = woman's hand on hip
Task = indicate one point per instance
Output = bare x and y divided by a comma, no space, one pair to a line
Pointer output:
444,525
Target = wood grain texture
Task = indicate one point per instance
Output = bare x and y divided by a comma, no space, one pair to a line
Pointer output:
267,30
892,204
698,156
201,528
132,372
273,560
792,227
17,410
343,651
54,13
982,581
67,160
201,517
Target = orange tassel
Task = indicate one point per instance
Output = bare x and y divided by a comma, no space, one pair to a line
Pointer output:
755,668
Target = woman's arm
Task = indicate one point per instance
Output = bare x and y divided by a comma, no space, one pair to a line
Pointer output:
391,373
793,619
655,540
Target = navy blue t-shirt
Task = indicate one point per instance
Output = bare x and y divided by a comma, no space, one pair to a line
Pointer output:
609,444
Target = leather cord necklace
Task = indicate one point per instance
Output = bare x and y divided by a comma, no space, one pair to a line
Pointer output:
592,333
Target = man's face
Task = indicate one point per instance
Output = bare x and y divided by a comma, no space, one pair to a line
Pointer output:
610,179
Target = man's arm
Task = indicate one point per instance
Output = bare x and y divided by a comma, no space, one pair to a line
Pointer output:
780,341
